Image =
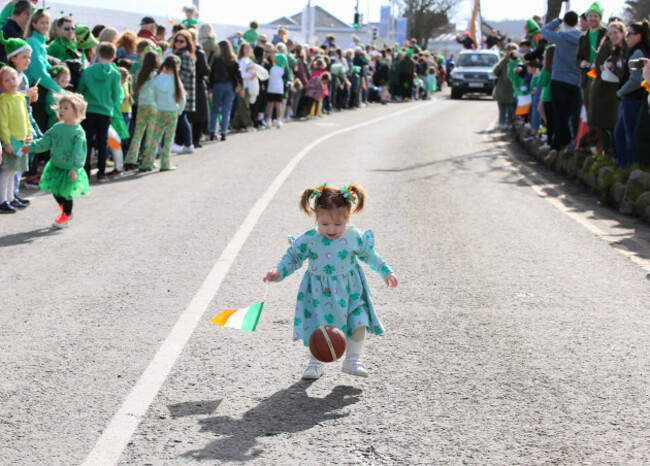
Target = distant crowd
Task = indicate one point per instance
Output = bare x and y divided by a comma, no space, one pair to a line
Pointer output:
580,82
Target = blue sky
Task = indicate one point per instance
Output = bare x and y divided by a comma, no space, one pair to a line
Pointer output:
240,13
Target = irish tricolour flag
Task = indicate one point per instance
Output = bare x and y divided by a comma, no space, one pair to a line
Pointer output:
242,319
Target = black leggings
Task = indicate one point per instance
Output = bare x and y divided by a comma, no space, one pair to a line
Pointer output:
67,204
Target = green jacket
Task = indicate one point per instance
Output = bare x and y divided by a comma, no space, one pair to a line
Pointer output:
251,37
39,66
101,86
518,83
584,52
503,91
543,80
63,49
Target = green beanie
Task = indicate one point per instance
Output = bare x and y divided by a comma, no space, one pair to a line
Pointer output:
595,8
281,59
532,27
13,46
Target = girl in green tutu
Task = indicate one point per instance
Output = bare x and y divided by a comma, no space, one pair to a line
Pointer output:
64,175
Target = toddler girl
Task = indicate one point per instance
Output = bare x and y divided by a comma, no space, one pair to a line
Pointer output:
145,120
64,175
61,74
15,130
334,289
170,101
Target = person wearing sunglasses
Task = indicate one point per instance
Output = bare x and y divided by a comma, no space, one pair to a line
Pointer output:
631,93
64,47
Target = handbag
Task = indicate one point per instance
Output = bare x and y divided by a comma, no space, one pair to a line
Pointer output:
609,77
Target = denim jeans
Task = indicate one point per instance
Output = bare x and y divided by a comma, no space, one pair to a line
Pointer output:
535,117
505,114
628,114
223,95
183,130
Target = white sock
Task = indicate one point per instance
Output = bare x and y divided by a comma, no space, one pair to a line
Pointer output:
5,176
355,343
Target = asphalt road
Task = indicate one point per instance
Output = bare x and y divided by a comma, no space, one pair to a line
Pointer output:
518,333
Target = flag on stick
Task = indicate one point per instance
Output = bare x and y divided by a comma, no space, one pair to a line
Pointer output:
524,102
592,73
583,128
242,319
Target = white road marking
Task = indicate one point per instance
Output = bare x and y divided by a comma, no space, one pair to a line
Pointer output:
614,241
113,440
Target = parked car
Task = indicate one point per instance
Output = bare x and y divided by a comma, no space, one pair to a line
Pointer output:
473,73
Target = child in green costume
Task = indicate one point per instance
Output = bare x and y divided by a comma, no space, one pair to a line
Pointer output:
64,175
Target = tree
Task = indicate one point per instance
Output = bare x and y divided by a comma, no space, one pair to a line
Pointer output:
427,17
637,10
553,9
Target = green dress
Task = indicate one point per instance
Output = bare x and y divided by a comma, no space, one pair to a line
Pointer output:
67,146
334,289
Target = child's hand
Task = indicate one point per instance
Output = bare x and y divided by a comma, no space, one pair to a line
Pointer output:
391,280
29,140
73,175
272,275
24,149
32,93
8,148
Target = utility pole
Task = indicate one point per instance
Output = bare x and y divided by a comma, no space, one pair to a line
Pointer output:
308,24
356,18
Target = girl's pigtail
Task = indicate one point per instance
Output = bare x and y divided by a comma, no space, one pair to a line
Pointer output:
304,201
360,194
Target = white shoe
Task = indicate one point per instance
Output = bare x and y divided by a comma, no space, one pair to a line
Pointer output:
353,366
314,369
278,123
186,150
176,148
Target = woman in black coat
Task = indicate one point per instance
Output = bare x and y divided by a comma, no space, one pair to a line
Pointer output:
200,117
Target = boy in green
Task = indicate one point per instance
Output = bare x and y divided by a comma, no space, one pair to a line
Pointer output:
101,86
190,11
587,47
64,176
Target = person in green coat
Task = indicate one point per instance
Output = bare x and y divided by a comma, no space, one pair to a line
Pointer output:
503,91
64,47
588,45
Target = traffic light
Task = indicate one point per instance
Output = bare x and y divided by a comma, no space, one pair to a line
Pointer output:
356,20
374,33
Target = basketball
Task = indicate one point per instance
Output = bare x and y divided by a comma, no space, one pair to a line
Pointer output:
327,343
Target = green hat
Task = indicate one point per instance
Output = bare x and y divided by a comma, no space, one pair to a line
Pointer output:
595,8
532,27
281,59
85,38
13,46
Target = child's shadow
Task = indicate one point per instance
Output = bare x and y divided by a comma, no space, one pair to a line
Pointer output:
26,237
289,410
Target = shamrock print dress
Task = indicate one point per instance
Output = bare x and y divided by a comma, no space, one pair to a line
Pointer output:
334,289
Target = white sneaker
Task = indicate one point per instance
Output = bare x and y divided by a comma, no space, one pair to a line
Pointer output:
278,123
186,150
314,369
176,148
353,366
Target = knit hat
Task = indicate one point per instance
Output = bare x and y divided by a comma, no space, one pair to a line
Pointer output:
532,27
85,38
595,8
281,59
13,46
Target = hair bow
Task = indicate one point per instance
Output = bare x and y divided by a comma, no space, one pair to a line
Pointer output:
318,191
348,194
